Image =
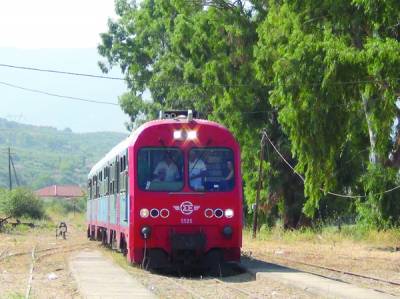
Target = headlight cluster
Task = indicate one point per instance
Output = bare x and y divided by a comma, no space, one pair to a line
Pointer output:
154,213
183,135
218,213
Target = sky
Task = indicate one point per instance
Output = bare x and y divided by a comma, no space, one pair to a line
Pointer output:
53,23
61,35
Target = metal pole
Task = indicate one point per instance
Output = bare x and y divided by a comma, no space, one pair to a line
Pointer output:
15,172
260,173
9,168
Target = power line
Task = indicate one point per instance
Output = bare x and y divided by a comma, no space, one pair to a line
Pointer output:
180,83
60,72
327,192
58,95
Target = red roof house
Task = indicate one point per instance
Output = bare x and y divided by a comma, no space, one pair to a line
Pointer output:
68,191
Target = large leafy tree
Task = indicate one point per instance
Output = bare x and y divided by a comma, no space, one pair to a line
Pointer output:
334,67
196,54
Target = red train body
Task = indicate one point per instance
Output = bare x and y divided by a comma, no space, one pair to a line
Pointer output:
170,192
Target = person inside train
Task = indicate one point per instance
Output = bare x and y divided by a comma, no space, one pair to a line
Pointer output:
166,170
228,180
197,170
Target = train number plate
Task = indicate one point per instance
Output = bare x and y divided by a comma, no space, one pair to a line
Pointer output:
186,221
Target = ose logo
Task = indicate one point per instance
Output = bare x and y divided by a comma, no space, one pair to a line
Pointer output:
186,208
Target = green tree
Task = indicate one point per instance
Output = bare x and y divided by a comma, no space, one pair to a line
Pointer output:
334,67
20,203
192,55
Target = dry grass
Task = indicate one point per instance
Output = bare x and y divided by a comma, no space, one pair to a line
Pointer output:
372,253
347,234
14,271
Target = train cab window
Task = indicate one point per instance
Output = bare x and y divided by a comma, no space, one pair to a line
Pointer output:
211,169
160,169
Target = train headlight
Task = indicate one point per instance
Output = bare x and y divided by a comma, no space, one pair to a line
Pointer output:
154,213
229,213
218,213
144,213
191,135
164,213
208,213
178,134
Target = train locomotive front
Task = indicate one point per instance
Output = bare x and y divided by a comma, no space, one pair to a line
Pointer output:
183,195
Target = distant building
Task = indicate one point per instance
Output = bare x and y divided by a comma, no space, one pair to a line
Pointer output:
57,191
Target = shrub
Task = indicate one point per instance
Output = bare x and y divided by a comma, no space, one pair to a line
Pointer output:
21,203
63,207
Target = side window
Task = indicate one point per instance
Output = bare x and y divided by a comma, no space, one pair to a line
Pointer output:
95,187
107,182
122,173
116,188
101,183
90,189
112,177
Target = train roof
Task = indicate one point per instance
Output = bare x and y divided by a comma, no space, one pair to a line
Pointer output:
124,144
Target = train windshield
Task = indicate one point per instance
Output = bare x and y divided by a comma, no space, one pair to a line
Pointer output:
160,169
211,169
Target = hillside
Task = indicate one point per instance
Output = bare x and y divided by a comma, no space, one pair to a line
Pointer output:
45,155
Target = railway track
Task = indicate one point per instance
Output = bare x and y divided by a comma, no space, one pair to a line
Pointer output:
54,250
390,287
345,272
200,287
289,262
33,268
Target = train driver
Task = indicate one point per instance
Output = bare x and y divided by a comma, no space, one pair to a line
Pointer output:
197,169
166,170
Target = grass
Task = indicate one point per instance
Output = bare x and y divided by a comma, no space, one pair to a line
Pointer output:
347,233
49,223
14,296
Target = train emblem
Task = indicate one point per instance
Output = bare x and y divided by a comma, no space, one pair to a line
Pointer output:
187,208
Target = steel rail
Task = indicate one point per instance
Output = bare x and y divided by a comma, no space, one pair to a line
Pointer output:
342,271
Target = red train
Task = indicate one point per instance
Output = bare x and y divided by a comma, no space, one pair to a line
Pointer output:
170,193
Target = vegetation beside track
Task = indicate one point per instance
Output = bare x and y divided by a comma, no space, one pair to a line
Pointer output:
389,238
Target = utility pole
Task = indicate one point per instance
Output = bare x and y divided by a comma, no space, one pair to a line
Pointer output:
15,172
9,167
260,173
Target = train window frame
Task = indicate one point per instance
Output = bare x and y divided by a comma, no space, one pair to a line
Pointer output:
211,148
183,178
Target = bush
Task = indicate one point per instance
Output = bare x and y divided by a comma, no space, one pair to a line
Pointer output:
64,207
21,203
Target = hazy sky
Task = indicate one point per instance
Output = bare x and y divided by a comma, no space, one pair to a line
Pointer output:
53,23
62,35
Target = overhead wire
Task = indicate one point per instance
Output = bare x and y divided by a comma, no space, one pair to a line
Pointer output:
58,95
264,133
60,72
54,71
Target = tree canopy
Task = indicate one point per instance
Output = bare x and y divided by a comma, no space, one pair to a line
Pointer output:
319,76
